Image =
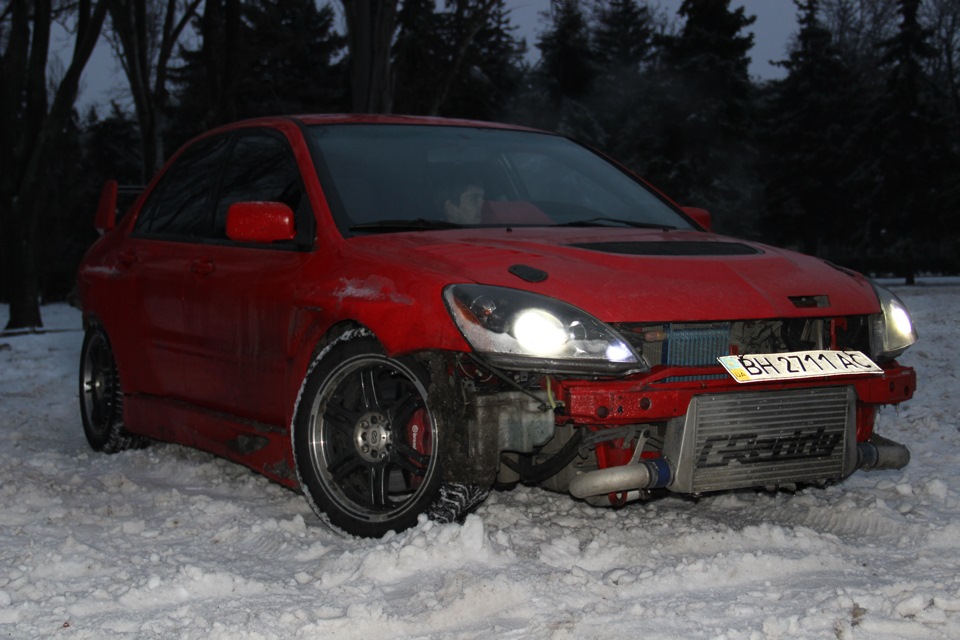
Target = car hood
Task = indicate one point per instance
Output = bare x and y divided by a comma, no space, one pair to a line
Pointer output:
621,275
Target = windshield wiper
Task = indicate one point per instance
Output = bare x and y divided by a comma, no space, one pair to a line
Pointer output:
599,222
419,224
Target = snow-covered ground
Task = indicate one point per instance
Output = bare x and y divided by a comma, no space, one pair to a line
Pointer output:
169,542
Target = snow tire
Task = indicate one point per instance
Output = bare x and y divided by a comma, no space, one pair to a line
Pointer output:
101,397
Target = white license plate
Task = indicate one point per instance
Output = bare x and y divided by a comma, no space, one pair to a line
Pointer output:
798,364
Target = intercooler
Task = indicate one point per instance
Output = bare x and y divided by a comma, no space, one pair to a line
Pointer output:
767,438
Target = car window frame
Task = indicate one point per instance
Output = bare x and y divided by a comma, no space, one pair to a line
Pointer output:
305,215
157,191
212,196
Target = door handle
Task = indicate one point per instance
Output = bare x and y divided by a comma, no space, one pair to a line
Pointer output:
202,267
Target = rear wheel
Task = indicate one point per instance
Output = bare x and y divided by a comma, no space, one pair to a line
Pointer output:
101,397
366,442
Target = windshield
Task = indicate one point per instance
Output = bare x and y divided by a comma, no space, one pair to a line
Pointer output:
381,178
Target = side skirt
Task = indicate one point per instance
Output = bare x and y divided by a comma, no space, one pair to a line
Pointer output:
263,447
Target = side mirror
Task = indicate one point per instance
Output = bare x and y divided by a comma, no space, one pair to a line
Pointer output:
106,217
700,216
260,222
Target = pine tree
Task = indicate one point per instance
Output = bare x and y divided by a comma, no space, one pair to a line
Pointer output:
490,72
566,72
462,61
418,53
291,51
290,61
807,160
705,155
623,46
907,138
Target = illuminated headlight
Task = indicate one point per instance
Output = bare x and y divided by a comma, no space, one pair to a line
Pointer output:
514,328
893,329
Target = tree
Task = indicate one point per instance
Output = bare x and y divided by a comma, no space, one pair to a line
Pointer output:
564,77
370,30
857,27
462,61
93,150
909,141
807,159
289,62
210,74
32,125
705,154
143,35
623,47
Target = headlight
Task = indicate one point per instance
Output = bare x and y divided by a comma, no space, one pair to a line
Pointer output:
514,328
893,330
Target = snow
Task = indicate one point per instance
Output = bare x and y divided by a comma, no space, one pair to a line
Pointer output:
171,542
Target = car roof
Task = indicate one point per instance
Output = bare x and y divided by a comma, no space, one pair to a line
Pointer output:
353,118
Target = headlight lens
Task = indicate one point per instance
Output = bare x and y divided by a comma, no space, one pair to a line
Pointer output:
893,329
515,328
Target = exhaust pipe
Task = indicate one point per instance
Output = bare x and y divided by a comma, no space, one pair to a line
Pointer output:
881,453
646,474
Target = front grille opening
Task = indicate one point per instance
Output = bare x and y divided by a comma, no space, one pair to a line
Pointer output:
700,344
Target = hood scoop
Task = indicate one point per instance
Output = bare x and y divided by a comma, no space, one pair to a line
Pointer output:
528,273
676,248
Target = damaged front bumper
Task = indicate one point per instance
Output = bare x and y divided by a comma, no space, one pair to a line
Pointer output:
717,436
611,440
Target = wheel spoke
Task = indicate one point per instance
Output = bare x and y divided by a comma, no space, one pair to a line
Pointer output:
340,419
409,458
344,465
378,485
403,408
368,388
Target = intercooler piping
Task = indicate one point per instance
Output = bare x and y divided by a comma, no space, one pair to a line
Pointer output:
644,474
881,453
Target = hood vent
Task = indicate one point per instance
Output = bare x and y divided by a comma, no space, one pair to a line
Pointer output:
810,302
678,248
528,273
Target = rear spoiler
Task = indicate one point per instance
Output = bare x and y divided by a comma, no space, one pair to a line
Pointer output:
106,216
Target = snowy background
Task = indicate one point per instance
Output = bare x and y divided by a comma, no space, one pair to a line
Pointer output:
169,542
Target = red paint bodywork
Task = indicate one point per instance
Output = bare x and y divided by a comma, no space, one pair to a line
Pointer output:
213,341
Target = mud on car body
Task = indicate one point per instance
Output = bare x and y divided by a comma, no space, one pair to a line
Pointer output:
297,295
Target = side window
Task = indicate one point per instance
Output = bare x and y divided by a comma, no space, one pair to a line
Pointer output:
180,204
262,169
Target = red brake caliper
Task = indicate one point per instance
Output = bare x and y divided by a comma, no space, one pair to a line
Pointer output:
420,440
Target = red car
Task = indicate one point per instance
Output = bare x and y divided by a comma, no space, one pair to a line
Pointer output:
394,314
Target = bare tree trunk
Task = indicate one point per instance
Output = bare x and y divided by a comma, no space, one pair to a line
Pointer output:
220,29
370,27
472,22
144,44
30,135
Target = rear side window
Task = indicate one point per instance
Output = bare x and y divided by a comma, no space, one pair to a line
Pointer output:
262,169
180,205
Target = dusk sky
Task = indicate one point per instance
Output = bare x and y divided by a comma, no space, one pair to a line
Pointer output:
776,22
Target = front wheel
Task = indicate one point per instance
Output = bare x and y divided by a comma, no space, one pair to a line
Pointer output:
365,441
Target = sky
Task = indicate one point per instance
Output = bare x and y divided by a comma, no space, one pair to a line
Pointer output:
775,24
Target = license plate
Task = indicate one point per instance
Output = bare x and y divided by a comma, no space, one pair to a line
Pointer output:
798,364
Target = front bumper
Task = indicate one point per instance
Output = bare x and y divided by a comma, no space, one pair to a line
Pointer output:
719,435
